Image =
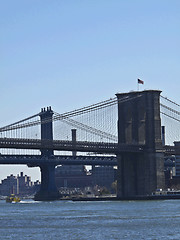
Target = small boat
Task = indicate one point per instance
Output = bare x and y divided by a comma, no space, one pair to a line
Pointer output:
12,199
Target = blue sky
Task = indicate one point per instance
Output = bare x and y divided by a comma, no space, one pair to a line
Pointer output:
69,54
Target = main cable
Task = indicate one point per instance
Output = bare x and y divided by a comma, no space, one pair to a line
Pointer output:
73,113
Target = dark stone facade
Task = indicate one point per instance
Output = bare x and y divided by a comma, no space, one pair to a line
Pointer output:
139,123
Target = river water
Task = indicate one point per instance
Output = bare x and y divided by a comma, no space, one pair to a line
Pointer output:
90,220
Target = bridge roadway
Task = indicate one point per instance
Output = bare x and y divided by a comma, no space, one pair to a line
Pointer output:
60,145
98,147
36,160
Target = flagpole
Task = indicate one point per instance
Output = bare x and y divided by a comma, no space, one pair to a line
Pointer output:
139,81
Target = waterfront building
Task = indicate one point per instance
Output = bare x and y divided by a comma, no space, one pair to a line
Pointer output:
9,186
103,176
69,176
19,185
177,165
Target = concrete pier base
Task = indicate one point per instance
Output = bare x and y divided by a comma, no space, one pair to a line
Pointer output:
48,190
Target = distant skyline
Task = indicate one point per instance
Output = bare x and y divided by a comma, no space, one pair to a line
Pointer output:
70,54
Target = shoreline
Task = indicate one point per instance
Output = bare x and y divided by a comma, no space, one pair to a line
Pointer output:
133,198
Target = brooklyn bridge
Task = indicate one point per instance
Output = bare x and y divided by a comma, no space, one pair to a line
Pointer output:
133,131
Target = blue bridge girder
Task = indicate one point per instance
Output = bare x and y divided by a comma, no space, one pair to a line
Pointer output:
36,160
60,145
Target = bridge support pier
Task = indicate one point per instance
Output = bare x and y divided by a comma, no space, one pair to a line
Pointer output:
140,174
48,190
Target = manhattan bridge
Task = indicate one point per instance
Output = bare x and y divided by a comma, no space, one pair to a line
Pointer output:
133,131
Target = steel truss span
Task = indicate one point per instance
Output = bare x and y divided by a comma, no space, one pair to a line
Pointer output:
98,147
32,160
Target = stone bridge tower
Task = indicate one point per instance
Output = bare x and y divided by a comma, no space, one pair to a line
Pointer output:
139,123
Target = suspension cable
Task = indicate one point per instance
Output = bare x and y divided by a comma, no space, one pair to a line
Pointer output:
167,115
90,129
170,101
73,113
170,109
28,118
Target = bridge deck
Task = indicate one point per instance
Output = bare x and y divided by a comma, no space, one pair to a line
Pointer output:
36,160
98,147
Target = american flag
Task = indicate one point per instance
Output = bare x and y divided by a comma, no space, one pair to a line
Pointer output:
140,81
